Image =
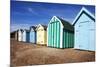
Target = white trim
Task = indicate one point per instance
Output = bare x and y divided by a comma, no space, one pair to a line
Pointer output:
83,9
61,34
38,26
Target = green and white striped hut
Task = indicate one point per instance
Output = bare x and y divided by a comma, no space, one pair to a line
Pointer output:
60,33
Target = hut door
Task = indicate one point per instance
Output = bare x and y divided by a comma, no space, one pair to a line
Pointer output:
84,37
92,36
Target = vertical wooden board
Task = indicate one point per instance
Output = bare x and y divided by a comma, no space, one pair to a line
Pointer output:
49,35
69,40
53,35
64,39
73,39
56,34
59,35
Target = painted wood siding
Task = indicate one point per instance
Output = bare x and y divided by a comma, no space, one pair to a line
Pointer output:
54,34
20,36
85,31
41,36
27,37
32,36
68,39
24,36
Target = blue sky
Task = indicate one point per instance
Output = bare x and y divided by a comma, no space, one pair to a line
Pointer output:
26,14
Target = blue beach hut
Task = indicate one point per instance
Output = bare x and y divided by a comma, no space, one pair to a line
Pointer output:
32,34
26,35
84,25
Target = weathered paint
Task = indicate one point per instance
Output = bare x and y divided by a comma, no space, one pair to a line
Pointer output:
41,34
59,35
84,24
33,34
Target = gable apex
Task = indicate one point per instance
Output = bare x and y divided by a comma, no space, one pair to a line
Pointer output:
83,10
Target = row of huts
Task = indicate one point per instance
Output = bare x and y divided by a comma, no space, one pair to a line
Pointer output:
36,34
62,34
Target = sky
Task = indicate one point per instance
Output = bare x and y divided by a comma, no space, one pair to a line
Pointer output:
25,14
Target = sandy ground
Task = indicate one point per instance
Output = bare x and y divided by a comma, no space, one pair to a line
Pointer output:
23,54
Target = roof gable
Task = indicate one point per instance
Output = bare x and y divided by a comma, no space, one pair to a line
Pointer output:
32,28
20,30
66,24
83,11
40,25
54,18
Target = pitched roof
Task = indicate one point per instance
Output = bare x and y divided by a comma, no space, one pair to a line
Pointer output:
33,27
44,26
83,10
67,25
20,30
25,30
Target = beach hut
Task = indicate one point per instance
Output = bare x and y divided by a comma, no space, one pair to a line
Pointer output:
16,35
41,34
60,33
13,35
26,35
32,34
84,25
20,34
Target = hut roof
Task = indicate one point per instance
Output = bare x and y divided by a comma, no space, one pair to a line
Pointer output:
44,26
20,30
33,27
67,25
85,11
25,30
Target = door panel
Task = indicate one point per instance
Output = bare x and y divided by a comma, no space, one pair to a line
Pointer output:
92,36
83,36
